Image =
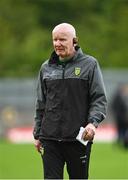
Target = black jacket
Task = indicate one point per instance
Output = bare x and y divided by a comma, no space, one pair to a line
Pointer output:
68,97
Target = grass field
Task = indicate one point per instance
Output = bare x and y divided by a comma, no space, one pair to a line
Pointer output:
21,161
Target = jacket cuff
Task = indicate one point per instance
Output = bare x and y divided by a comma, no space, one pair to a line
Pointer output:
36,136
94,122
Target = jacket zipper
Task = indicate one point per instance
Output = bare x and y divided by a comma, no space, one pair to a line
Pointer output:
63,68
63,76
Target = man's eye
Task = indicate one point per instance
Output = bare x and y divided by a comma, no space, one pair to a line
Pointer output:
62,39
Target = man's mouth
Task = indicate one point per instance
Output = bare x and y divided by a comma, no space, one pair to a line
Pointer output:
59,49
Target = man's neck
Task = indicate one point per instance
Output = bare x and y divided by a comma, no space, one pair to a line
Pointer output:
64,59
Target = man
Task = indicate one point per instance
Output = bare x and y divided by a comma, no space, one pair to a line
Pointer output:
70,95
119,105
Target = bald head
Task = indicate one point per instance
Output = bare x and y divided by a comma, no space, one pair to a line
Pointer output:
66,28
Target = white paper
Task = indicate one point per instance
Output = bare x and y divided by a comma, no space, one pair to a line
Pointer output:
79,136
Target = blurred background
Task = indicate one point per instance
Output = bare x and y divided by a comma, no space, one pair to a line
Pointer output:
25,42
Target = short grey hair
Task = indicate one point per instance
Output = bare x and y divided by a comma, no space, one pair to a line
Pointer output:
68,27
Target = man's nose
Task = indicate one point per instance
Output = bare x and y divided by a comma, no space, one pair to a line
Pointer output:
58,43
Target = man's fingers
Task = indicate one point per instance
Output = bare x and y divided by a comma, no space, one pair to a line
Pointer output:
38,146
88,134
84,134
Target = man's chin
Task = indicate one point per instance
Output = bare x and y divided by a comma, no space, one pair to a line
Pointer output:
61,55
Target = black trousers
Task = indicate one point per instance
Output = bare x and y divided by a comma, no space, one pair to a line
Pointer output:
74,154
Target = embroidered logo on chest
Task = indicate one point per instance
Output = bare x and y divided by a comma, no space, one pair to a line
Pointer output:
77,71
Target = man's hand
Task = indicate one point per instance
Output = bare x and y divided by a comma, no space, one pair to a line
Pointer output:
38,145
89,132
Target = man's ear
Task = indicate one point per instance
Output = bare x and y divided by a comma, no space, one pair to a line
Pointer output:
75,41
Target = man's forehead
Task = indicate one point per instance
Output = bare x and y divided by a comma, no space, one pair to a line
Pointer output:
61,34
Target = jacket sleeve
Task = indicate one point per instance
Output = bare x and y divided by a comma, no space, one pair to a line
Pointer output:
97,100
39,105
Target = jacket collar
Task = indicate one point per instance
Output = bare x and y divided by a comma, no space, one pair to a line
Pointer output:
54,59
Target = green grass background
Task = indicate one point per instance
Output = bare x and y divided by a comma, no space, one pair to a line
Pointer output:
21,161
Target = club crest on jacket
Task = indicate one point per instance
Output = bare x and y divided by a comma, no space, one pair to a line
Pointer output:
77,71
